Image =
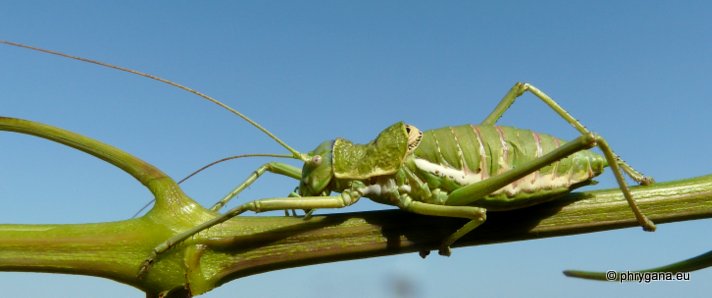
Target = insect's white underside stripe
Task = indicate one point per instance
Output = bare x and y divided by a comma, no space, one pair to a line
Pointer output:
529,183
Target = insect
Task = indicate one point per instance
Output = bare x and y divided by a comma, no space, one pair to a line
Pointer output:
458,171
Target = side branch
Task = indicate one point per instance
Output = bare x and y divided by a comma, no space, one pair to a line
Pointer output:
166,191
141,170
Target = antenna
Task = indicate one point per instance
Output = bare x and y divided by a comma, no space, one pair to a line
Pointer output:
212,164
231,158
295,154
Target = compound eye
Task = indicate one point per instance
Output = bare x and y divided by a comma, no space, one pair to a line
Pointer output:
414,137
316,160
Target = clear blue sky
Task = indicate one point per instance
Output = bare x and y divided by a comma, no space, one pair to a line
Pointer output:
638,73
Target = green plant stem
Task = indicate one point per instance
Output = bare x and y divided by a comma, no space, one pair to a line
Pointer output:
248,245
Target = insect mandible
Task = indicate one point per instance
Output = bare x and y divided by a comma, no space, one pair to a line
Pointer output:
457,171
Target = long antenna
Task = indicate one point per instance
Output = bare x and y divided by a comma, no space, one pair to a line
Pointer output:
231,158
212,164
295,154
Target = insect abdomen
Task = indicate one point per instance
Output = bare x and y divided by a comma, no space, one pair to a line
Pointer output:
451,157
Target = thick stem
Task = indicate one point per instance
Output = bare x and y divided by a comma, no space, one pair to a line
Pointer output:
367,234
250,245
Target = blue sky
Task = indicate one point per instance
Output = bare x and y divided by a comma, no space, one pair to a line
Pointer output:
635,72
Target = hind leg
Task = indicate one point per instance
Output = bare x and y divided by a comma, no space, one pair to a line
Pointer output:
520,88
